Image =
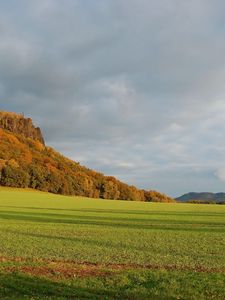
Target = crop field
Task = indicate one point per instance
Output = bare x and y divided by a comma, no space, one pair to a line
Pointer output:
57,247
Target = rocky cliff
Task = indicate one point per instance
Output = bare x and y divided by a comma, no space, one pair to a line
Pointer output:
17,124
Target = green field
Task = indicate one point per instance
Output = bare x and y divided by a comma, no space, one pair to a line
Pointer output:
56,247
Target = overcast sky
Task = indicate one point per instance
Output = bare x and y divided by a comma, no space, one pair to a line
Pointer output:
132,88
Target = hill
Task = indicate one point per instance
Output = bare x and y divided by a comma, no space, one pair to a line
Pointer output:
25,161
202,197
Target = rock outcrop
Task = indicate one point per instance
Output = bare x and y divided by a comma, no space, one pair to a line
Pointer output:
17,124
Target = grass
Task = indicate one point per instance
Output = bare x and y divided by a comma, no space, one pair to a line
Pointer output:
56,247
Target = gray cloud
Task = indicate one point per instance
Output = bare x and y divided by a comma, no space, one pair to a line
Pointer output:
131,88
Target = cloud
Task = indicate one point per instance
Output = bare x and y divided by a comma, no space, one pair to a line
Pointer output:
131,88
221,174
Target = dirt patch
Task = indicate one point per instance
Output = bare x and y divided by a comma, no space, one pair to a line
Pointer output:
57,271
70,269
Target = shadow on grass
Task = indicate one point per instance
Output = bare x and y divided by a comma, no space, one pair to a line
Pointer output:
19,286
128,223
89,242
126,212
136,285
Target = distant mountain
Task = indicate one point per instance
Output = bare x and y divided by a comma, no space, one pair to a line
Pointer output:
202,197
25,161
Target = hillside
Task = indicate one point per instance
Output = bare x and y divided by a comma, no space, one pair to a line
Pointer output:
25,161
202,197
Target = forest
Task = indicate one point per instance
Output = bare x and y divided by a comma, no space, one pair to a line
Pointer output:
28,163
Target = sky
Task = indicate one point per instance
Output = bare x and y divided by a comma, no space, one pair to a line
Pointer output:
131,88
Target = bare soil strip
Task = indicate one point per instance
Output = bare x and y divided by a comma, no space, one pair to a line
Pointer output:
70,269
